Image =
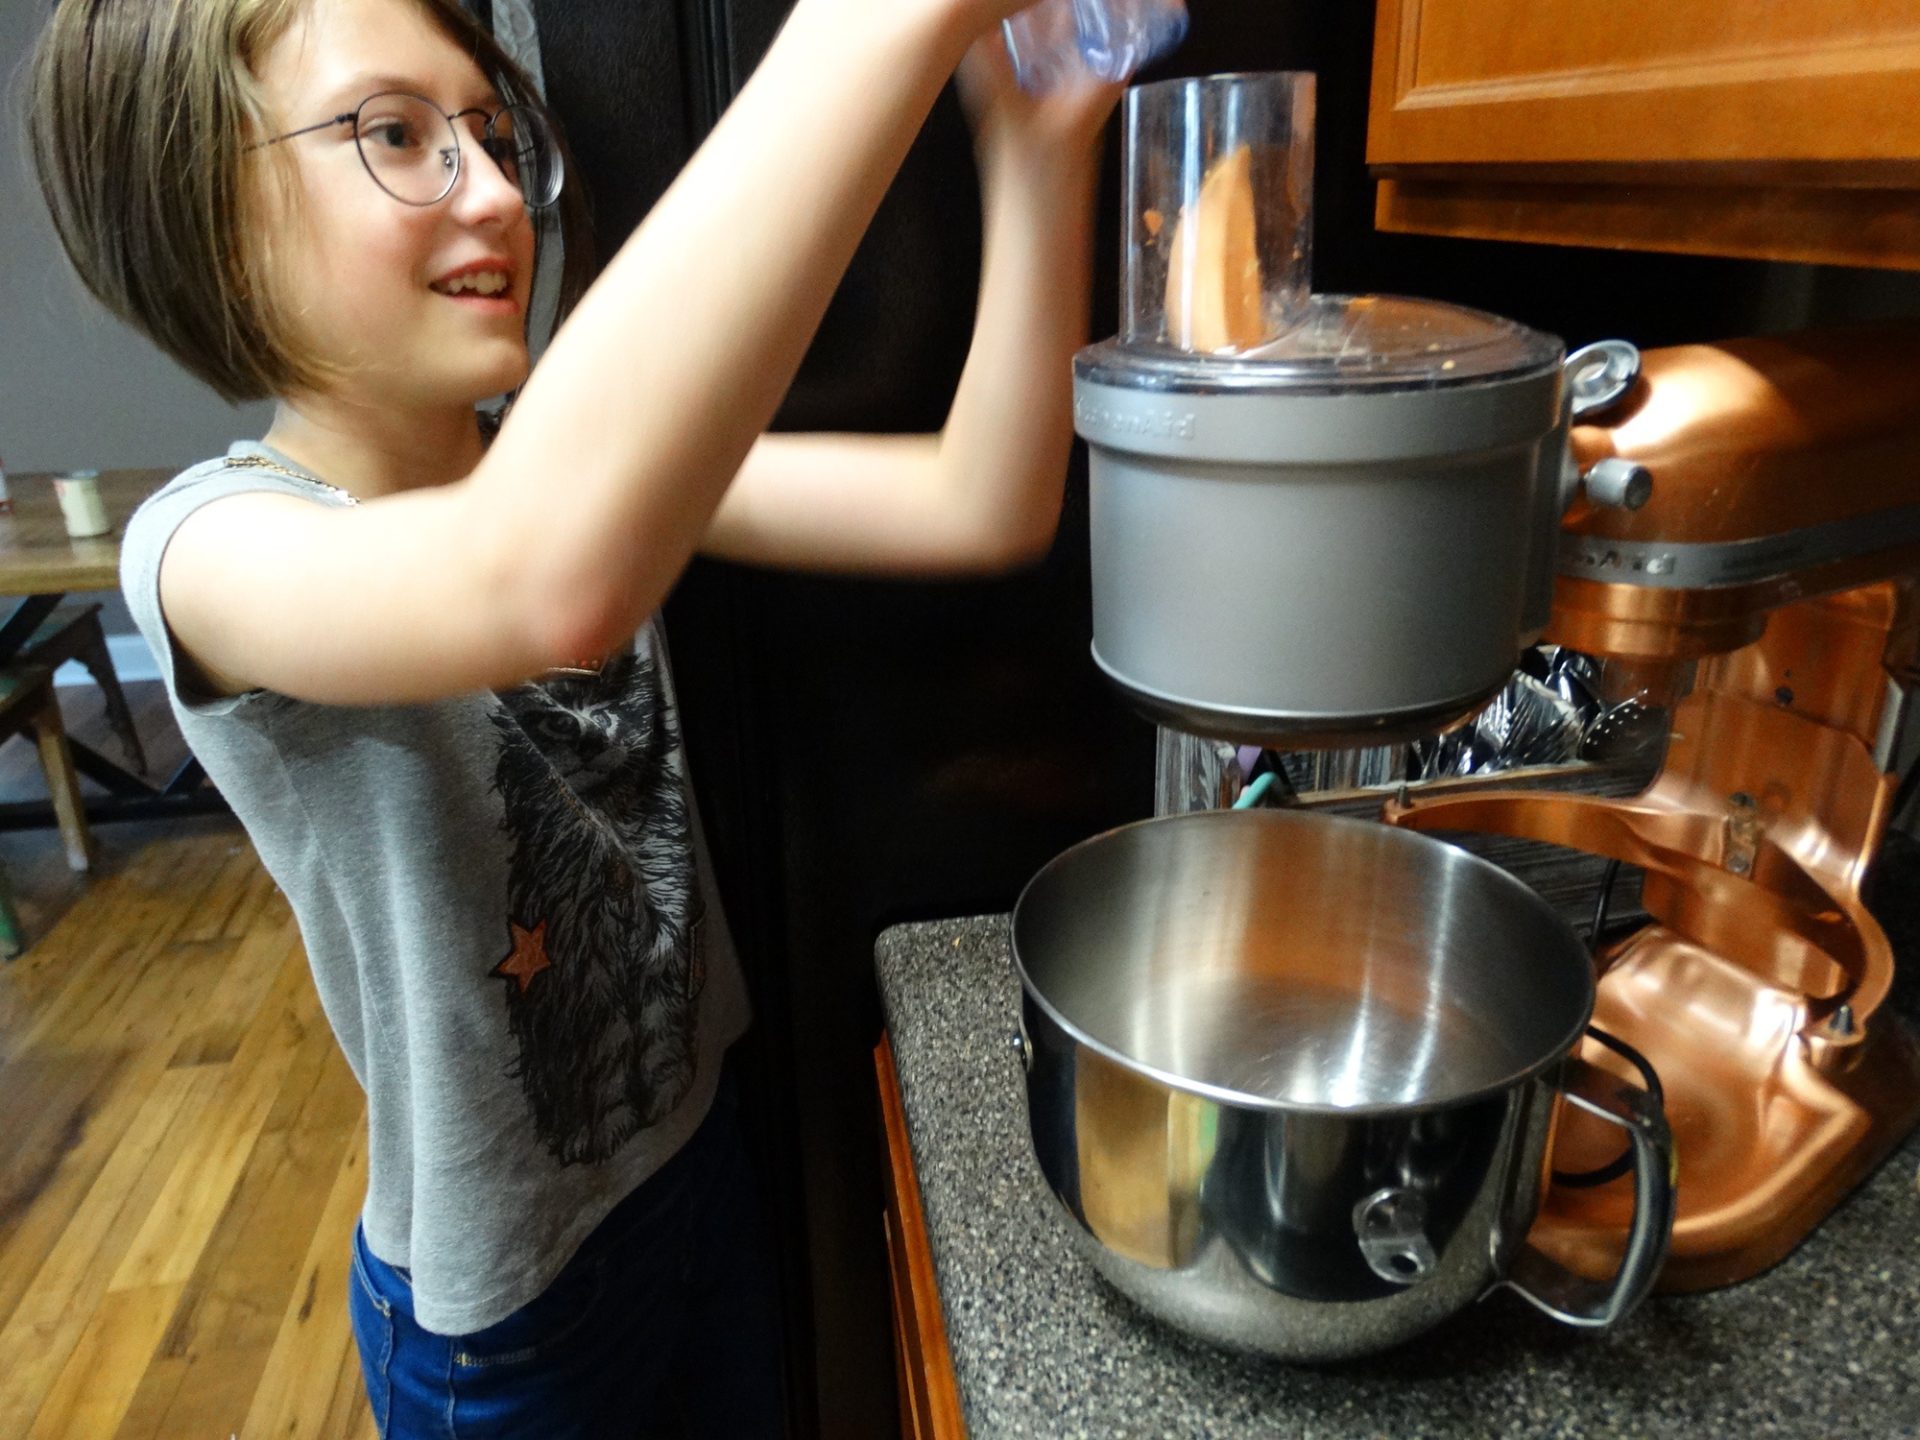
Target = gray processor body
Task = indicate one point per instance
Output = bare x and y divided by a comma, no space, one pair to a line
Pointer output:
1344,540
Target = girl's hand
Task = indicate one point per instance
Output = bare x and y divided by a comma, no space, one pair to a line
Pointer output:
957,22
1010,124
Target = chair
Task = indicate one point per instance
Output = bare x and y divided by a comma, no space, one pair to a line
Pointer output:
74,633
12,939
27,707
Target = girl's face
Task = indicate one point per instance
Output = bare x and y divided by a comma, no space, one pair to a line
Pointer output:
367,279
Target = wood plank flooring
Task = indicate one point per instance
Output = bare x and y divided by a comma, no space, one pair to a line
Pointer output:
182,1151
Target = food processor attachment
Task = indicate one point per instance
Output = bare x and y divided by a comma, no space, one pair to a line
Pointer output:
1316,520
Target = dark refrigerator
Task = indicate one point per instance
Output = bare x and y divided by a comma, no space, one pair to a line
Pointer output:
866,752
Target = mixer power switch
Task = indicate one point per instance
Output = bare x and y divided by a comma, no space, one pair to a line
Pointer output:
1618,483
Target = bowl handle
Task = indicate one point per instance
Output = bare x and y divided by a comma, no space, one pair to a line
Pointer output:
1599,1303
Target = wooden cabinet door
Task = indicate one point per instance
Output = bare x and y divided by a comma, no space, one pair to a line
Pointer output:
1784,129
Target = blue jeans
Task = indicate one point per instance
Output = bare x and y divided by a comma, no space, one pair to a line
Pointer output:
665,1323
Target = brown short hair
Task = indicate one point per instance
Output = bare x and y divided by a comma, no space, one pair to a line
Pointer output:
141,114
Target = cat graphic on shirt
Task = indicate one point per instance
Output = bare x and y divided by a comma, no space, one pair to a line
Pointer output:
603,971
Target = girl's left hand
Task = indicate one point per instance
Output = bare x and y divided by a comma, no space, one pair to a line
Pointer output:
1065,123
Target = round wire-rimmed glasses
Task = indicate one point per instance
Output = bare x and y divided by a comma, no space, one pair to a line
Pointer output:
411,147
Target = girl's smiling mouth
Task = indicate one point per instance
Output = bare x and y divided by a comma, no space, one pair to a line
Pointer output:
487,281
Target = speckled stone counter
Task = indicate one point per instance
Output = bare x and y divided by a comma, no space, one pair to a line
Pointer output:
1826,1344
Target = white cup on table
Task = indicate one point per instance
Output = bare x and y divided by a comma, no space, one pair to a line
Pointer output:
81,505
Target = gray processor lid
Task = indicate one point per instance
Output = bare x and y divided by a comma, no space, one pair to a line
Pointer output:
1345,342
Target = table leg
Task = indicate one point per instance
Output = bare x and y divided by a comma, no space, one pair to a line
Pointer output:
107,775
62,784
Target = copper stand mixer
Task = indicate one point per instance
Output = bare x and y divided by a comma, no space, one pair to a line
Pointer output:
1766,589
1329,522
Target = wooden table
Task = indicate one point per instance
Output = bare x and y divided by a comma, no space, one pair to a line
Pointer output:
40,564
38,557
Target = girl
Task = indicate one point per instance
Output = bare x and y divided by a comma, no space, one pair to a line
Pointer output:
408,655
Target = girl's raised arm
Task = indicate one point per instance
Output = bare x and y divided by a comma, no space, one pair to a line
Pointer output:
605,476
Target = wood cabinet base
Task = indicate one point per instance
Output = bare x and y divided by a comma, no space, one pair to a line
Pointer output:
1814,226
929,1400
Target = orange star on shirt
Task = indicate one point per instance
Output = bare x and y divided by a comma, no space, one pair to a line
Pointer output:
529,956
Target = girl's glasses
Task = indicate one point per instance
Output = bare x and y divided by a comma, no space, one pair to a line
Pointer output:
411,147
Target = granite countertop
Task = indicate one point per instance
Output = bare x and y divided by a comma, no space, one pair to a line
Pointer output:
1826,1343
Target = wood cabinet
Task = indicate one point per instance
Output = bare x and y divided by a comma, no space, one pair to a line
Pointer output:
1773,129
929,1400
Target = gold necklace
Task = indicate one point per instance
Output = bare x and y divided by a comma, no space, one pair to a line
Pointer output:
260,462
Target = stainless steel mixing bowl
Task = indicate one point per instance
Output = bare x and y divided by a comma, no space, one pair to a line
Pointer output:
1293,1078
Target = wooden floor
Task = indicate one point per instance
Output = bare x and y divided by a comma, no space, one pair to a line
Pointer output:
182,1150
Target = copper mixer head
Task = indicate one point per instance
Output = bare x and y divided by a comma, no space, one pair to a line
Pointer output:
1781,468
